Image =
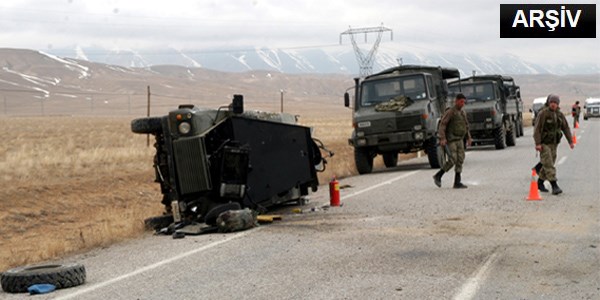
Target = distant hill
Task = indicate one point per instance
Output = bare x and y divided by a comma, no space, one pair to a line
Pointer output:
336,59
36,83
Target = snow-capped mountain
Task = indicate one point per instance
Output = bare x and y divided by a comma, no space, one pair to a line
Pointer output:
326,60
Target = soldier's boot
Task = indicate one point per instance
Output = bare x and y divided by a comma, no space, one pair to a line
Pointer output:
537,168
555,189
457,182
541,186
437,178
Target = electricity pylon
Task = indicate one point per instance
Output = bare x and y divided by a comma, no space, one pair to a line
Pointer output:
365,62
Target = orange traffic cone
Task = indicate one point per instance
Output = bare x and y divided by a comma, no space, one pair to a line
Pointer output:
534,193
576,124
574,137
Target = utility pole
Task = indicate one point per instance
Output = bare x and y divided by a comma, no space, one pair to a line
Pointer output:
281,91
148,115
365,62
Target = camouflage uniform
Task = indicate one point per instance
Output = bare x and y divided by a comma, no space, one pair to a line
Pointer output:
454,127
575,112
549,128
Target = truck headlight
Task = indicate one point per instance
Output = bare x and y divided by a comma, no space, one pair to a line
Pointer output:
419,135
361,142
184,127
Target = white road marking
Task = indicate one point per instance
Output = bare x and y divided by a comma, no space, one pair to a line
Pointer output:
562,160
154,266
186,254
469,289
379,185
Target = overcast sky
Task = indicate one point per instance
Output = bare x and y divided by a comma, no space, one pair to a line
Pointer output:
418,25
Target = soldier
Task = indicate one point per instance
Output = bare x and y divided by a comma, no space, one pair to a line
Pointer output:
454,127
547,135
575,112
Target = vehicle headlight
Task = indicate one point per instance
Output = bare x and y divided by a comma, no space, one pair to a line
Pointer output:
360,134
361,142
418,127
419,136
184,127
488,119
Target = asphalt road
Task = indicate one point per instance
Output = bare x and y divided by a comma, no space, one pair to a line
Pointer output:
397,236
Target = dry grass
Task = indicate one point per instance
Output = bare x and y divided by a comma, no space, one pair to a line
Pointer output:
70,184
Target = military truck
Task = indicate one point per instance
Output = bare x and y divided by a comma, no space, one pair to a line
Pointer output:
536,106
398,111
494,109
591,108
208,161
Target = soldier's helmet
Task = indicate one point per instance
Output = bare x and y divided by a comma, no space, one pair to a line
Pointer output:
553,98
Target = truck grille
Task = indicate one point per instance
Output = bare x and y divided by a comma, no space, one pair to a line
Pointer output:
400,123
191,165
478,116
407,123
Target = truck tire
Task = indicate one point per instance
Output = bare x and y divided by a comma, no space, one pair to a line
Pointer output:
520,126
363,160
390,159
435,154
148,125
158,222
500,137
511,135
213,214
17,280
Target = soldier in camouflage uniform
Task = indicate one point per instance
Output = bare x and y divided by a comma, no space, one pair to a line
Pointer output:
547,134
454,127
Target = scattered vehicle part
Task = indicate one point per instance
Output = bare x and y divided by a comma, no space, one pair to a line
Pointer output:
17,280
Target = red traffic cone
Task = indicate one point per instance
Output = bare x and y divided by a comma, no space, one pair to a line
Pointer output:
534,193
574,137
576,124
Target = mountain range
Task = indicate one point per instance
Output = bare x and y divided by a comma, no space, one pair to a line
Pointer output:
34,82
333,59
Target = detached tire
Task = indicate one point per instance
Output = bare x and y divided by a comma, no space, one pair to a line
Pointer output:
17,280
213,214
147,125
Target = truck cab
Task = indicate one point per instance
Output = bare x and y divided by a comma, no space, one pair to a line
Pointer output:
397,111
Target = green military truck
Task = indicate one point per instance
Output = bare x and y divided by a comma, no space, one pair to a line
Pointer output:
397,111
494,109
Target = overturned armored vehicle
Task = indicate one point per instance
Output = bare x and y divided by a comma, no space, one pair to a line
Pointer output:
209,161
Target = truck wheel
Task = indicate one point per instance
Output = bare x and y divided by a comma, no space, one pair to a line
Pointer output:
148,125
511,135
435,154
363,160
390,159
17,280
213,214
521,131
158,222
500,137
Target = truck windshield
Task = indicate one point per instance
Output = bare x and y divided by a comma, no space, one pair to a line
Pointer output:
377,91
475,91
